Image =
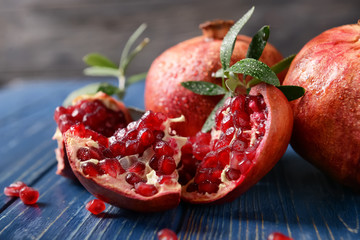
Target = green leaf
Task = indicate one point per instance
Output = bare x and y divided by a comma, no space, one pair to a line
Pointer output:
127,60
101,71
228,43
210,121
90,90
204,88
232,84
136,78
96,59
256,69
219,73
283,64
130,42
258,43
292,92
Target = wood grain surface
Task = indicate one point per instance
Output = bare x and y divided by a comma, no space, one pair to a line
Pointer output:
49,38
294,198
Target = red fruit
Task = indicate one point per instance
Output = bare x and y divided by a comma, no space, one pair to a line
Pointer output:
14,189
100,113
128,179
29,195
229,170
327,118
278,236
166,234
195,59
96,206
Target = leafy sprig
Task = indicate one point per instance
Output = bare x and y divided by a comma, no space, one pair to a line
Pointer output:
100,65
250,66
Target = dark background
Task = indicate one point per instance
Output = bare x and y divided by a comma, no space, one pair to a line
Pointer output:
46,39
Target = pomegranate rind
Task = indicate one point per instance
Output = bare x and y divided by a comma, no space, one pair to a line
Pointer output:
327,118
195,59
270,150
117,191
63,167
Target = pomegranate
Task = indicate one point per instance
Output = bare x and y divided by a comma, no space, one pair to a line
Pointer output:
327,119
135,168
98,112
278,236
194,60
14,189
145,167
251,134
28,195
166,234
95,206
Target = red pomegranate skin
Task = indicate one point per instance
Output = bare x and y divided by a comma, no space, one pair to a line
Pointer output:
327,118
193,60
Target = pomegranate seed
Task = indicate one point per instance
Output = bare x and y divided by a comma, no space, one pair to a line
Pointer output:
96,206
193,187
187,148
111,167
210,160
163,148
200,150
241,119
226,123
238,145
14,189
159,134
91,169
203,138
223,156
86,153
133,147
133,178
118,148
232,174
166,234
146,137
154,162
147,190
237,103
278,236
167,165
137,167
29,195
208,187
132,134
163,179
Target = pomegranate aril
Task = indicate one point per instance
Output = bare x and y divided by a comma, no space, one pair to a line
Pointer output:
146,137
147,190
133,178
164,179
226,122
192,187
91,169
223,156
29,195
111,167
163,148
14,189
210,160
137,167
238,145
203,138
167,165
237,103
241,119
86,153
133,147
208,187
158,134
118,148
96,206
131,134
166,234
200,150
253,104
232,174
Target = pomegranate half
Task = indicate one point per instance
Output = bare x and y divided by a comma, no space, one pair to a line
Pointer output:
327,118
195,59
98,112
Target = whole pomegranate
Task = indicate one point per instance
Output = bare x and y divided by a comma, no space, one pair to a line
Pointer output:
327,118
98,112
194,60
147,167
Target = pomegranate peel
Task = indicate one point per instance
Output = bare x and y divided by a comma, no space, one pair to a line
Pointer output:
135,188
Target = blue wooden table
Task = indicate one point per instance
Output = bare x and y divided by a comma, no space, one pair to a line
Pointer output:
294,198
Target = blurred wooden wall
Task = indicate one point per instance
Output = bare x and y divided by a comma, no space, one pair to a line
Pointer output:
48,38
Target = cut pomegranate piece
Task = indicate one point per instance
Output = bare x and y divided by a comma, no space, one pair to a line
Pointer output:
140,175
14,189
251,134
29,195
100,113
95,206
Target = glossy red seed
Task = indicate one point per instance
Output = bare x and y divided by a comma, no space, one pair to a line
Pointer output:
29,195
163,148
200,150
86,153
237,103
226,122
131,134
241,119
210,160
167,165
146,137
164,179
147,190
133,178
111,166
91,169
166,234
223,156
278,236
137,167
14,189
133,147
232,174
238,145
208,187
96,206
118,148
